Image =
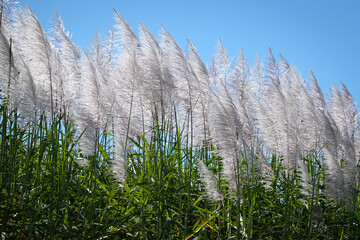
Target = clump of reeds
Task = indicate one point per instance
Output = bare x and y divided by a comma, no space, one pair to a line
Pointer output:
139,139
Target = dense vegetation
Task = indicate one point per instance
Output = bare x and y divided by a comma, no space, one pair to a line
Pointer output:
138,139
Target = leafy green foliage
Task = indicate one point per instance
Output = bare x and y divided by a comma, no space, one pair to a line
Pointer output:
45,193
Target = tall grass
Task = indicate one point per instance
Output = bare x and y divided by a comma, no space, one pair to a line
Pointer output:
137,139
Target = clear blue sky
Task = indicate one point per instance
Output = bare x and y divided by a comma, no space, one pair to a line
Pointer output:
318,35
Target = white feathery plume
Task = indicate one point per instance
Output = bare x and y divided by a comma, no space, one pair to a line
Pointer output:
329,133
70,62
331,140
222,65
7,28
272,118
271,113
351,168
344,112
102,64
356,130
180,75
202,106
57,83
22,92
189,98
133,111
110,51
334,180
298,122
8,8
230,111
239,79
240,90
92,99
198,67
352,111
303,122
293,122
243,97
269,134
88,132
342,109
225,124
345,115
101,55
156,81
351,171
257,77
272,69
258,87
118,166
92,112
357,153
284,64
303,117
90,118
124,32
96,53
28,101
37,52
8,71
103,52
179,68
316,93
129,114
225,131
210,183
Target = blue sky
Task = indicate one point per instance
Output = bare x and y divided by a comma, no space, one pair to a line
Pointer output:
318,35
